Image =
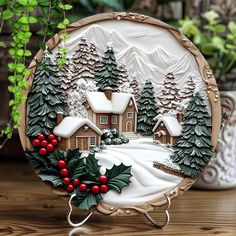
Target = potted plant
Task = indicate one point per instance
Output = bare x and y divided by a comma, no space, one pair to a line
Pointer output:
216,41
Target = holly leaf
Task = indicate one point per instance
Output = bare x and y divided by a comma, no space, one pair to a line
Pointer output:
76,168
55,156
53,179
118,177
85,200
92,167
36,160
73,154
51,175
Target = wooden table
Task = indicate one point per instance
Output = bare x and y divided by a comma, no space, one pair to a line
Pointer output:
27,207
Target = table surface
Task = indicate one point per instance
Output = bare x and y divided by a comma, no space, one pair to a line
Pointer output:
28,207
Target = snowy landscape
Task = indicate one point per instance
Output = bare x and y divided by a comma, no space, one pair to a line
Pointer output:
134,103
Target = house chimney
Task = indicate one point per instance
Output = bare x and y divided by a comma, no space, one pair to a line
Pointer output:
60,117
108,93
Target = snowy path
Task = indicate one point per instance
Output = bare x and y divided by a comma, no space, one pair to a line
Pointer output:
147,182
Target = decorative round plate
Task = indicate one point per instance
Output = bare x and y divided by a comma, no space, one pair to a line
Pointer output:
132,113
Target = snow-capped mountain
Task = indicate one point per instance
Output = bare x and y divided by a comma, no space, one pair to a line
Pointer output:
153,65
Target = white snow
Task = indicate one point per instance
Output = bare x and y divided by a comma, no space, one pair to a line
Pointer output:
100,104
120,102
172,125
70,125
147,182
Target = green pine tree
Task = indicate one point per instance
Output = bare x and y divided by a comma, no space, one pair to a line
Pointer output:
193,148
107,73
147,109
45,99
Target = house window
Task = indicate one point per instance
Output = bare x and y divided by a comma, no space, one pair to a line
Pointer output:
103,120
114,119
92,141
129,114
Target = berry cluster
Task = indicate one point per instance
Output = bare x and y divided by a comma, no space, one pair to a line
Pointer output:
72,184
45,145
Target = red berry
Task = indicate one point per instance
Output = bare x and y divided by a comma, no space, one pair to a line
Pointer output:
64,172
103,188
42,151
44,143
70,188
54,142
41,137
50,147
61,164
66,181
82,187
103,179
36,142
75,182
95,189
51,137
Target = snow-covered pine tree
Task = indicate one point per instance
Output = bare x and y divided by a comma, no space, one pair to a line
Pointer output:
123,74
80,61
75,105
125,88
169,95
135,85
193,148
107,72
188,88
94,57
64,74
45,99
146,109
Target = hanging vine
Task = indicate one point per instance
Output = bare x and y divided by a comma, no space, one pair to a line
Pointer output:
20,15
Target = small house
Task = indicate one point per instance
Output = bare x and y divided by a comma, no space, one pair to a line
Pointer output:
76,133
167,130
112,110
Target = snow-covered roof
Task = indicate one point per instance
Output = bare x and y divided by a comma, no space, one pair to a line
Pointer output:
172,125
100,104
70,125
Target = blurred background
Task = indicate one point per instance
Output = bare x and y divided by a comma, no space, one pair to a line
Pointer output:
169,11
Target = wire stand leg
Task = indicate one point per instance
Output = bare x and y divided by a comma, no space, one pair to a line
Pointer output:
167,215
70,212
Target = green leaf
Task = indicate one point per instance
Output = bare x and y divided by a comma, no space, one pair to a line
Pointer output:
7,14
118,177
3,2
232,27
76,168
66,22
55,156
2,44
23,2
68,7
32,2
61,26
27,53
53,179
92,166
86,200
73,154
219,28
32,20
35,159
24,20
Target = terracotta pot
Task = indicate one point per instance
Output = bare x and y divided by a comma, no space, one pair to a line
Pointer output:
221,171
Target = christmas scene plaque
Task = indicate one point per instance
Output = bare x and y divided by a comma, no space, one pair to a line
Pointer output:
127,122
